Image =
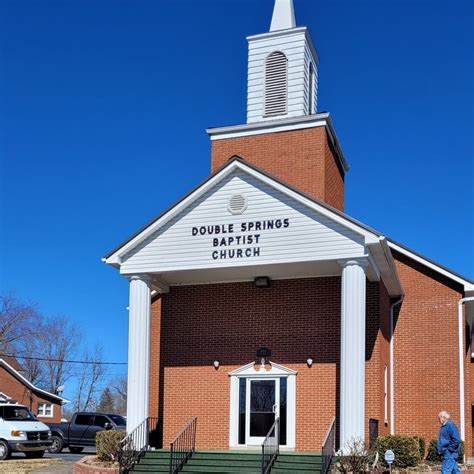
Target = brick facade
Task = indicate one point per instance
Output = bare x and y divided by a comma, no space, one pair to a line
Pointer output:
14,388
302,158
296,319
426,353
194,325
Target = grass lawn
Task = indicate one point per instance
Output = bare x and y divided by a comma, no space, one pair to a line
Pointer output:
25,466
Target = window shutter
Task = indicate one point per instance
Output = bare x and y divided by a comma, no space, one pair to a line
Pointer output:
276,84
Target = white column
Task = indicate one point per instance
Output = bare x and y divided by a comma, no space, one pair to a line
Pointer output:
352,396
138,351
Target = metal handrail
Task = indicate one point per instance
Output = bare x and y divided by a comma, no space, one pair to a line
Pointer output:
183,446
271,446
133,446
329,446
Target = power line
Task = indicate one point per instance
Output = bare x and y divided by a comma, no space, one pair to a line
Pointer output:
63,360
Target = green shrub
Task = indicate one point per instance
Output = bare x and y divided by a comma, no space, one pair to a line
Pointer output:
422,445
406,449
433,451
108,445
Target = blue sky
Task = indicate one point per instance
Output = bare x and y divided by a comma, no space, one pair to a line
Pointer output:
104,109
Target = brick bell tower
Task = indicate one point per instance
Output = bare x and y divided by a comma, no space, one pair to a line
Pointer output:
284,134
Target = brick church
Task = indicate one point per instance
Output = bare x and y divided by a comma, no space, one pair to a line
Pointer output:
255,296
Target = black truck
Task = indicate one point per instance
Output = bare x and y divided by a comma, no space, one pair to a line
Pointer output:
81,430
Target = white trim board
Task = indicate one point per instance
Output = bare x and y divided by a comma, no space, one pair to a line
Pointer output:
248,371
468,285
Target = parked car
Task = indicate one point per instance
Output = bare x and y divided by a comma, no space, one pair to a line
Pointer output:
81,430
20,431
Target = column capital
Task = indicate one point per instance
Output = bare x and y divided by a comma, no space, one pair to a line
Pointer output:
359,262
141,277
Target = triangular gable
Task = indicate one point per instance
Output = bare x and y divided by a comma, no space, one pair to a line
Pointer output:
249,370
292,226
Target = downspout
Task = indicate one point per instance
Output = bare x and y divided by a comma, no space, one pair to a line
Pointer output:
392,383
461,365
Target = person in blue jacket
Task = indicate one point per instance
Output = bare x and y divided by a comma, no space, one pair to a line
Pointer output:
448,444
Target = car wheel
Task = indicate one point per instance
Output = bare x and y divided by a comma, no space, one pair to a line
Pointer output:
57,445
34,454
4,450
76,449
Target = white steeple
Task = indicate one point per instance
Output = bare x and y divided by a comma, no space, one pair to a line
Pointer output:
283,15
282,69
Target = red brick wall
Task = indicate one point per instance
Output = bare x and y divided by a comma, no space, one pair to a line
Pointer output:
426,352
301,158
154,382
229,322
377,355
333,180
12,387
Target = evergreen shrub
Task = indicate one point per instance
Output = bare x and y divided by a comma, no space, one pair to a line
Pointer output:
433,451
107,445
422,445
405,448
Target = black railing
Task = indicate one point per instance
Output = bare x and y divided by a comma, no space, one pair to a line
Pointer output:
183,446
271,446
134,445
329,446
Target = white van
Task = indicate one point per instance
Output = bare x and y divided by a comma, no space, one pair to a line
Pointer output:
20,431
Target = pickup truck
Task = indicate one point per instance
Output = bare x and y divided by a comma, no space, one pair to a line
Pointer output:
81,430
20,431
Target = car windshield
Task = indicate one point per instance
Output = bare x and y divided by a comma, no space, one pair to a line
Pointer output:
118,420
18,414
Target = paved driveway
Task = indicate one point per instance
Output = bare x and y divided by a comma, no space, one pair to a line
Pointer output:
68,456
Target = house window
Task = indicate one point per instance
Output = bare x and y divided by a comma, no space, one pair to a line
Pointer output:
276,84
45,410
385,394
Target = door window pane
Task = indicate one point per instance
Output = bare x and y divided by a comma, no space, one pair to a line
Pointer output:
262,401
242,398
283,410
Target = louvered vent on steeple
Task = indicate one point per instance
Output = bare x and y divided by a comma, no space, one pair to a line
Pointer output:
276,84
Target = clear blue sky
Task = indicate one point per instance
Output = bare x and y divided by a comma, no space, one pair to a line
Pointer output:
104,106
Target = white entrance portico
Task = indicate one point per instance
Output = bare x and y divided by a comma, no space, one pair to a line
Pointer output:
239,224
268,394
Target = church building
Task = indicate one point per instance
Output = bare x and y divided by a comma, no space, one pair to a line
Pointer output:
256,297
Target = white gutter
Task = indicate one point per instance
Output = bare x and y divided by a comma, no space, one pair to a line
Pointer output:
392,383
461,365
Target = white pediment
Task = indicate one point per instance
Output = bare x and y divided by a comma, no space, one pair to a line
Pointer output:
253,370
274,228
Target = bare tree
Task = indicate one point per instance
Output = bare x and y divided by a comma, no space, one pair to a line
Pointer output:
34,367
18,323
119,391
89,379
59,340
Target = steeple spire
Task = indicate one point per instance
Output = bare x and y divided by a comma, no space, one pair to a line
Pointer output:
283,15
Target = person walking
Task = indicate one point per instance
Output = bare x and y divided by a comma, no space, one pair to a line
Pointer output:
448,444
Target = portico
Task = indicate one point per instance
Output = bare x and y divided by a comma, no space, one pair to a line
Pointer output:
328,245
